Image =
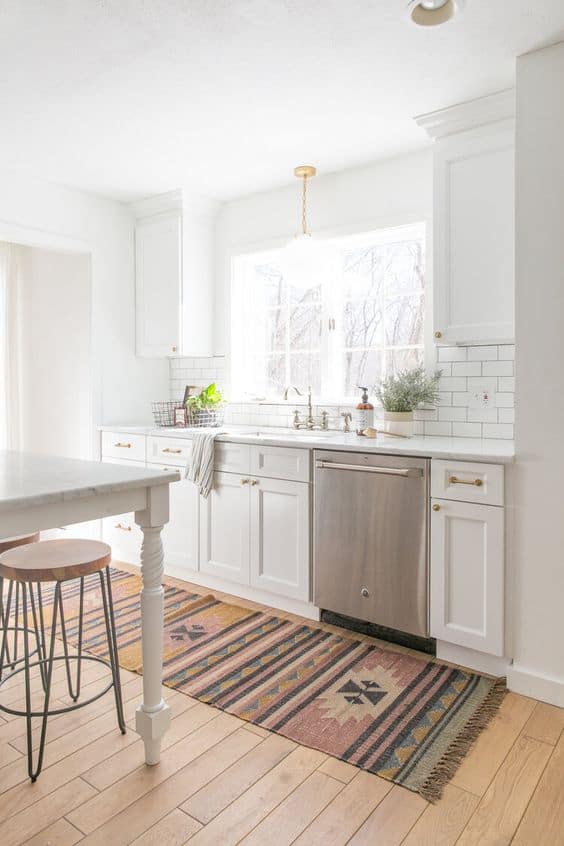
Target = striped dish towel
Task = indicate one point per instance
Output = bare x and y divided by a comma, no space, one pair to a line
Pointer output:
200,470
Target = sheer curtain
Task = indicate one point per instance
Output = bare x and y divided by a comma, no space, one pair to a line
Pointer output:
10,293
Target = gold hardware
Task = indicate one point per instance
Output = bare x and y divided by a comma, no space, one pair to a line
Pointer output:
436,507
123,446
454,480
173,451
304,172
245,481
122,527
438,334
254,482
175,349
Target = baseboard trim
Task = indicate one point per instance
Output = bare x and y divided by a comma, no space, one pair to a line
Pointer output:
527,682
280,603
472,659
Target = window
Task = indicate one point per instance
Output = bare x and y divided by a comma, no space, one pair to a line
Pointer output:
364,320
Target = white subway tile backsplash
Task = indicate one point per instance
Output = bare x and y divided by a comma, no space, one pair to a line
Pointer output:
482,353
497,368
506,383
451,354
465,370
506,352
497,430
467,430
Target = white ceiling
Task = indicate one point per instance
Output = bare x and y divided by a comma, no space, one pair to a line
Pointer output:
130,98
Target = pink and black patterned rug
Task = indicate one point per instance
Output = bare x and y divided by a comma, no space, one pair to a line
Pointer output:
405,718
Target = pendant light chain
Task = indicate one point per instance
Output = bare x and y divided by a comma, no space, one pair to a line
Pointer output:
304,206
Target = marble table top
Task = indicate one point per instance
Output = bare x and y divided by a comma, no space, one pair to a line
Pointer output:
28,479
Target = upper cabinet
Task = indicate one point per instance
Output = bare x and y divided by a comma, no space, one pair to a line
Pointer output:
473,220
173,277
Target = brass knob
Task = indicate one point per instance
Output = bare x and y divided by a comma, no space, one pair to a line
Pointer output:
254,482
245,481
436,507
175,349
438,334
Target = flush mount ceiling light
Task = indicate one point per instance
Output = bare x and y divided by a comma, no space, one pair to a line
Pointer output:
433,12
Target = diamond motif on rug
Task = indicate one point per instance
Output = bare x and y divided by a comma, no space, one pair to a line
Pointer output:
184,633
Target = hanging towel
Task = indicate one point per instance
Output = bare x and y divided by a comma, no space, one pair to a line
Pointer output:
200,470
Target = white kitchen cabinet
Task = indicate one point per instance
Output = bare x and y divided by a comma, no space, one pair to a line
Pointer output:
473,220
224,529
280,537
121,531
181,535
467,575
158,285
174,271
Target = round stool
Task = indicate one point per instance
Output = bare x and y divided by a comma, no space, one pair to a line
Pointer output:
28,567
5,544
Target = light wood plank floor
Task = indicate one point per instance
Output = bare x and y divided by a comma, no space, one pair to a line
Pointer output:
222,781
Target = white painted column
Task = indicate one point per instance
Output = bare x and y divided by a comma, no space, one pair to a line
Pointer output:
152,717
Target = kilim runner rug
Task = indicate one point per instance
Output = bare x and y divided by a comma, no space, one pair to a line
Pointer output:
402,717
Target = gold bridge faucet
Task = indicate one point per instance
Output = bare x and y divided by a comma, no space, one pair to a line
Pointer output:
309,422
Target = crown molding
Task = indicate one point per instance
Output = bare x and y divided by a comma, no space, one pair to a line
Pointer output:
469,115
178,200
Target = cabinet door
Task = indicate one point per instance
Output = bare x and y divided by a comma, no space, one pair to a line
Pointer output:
280,545
467,574
224,528
473,274
158,278
182,533
121,531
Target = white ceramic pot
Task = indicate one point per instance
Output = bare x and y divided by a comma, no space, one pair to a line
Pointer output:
399,422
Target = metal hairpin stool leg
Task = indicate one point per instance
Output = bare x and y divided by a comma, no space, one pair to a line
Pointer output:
58,561
10,605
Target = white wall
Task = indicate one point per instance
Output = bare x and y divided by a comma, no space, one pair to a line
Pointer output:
383,194
55,365
45,215
537,566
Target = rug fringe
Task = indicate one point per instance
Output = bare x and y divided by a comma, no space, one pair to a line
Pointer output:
446,767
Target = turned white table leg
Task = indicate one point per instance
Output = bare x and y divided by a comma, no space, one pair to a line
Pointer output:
152,718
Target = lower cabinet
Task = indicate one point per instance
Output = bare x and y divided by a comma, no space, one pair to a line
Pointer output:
256,531
280,543
224,529
467,574
181,533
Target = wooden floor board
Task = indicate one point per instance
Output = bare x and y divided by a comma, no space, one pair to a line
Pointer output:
222,781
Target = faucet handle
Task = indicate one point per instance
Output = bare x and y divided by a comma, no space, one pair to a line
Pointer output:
347,418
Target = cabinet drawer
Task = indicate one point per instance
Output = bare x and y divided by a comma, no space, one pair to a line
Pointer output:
467,481
175,451
232,458
274,462
123,446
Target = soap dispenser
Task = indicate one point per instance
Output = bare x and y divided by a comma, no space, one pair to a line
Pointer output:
364,412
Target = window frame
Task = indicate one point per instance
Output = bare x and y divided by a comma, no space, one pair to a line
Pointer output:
351,232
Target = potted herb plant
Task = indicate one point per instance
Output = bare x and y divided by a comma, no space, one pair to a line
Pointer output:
205,408
403,392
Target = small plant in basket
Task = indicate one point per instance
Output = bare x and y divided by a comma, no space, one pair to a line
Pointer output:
206,408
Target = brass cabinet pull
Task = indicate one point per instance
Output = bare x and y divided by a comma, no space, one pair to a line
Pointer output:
245,481
254,482
436,507
122,527
438,334
454,480
173,451
123,446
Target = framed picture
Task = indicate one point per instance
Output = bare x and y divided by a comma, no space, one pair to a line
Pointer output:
180,418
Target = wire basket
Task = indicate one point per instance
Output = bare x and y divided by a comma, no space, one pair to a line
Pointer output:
207,417
164,415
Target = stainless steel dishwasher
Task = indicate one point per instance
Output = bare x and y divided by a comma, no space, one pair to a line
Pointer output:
370,538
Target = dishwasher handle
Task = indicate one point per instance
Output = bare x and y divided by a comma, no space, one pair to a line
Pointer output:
409,472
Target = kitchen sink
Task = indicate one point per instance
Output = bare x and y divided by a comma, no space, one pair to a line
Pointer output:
292,433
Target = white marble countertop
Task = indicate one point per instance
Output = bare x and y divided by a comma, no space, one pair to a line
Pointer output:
463,449
29,479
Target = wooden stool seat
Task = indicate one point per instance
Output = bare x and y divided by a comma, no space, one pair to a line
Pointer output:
54,560
17,540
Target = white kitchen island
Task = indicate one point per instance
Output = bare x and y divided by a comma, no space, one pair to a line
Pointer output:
42,492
